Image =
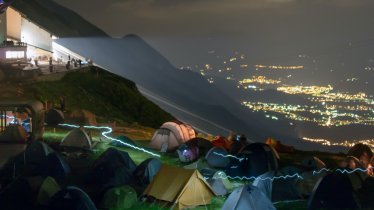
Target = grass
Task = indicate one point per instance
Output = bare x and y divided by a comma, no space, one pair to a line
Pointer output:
102,93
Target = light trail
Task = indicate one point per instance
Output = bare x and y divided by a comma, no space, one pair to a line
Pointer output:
108,131
228,156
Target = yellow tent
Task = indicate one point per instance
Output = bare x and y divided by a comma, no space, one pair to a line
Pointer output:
184,187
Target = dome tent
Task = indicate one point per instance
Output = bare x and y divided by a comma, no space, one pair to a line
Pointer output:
249,198
217,157
71,198
119,198
77,138
171,135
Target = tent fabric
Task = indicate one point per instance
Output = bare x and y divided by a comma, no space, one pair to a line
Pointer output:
36,152
14,133
71,198
23,193
147,170
221,141
119,198
249,198
306,185
218,181
204,145
187,153
113,168
54,117
47,190
77,138
217,157
277,189
278,146
199,164
185,188
55,166
256,159
123,139
171,135
359,149
333,191
313,163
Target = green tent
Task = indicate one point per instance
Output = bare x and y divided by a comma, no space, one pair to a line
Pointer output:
48,189
118,198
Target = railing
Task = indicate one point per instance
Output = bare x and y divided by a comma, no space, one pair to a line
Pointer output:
13,44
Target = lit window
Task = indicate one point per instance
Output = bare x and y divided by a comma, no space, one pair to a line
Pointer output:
15,54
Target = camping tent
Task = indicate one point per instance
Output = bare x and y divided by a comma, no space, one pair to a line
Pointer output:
25,192
217,157
185,188
204,145
249,198
55,166
221,141
71,198
218,181
170,135
77,138
333,191
14,133
119,198
188,153
278,189
253,160
54,117
201,163
36,152
146,170
313,163
362,152
113,168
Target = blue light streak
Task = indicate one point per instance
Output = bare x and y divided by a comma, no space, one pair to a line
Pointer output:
229,156
108,131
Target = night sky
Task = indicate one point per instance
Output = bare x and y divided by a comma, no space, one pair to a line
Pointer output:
184,30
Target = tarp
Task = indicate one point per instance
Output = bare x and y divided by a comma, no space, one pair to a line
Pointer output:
119,198
248,198
71,198
185,188
217,157
77,138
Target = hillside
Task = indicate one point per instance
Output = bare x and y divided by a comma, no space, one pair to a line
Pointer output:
57,19
133,58
110,97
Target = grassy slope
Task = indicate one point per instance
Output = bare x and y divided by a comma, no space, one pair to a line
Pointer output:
111,97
